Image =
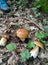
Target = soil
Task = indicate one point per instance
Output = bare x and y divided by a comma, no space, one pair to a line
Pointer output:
26,19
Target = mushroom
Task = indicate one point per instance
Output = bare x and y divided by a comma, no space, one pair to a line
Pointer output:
34,52
39,44
5,36
4,39
22,33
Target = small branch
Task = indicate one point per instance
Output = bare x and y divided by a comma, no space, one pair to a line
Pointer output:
30,21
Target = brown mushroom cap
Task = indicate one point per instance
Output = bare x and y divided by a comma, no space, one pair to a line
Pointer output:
5,36
38,43
22,33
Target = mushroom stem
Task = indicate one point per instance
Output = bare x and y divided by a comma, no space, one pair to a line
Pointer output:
3,41
34,52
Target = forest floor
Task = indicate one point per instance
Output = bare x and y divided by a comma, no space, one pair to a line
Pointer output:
22,19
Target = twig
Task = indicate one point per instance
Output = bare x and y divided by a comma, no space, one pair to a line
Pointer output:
30,21
34,22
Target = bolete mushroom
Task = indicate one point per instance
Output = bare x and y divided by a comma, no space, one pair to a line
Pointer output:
34,52
22,33
4,39
38,43
5,36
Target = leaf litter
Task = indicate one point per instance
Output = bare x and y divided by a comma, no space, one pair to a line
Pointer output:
19,20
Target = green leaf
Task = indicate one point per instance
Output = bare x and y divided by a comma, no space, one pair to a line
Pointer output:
18,24
27,28
38,6
44,20
41,40
11,46
45,27
40,34
43,4
25,54
37,14
34,8
30,44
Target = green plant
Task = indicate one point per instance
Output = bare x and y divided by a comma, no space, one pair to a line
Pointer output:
25,54
36,12
30,44
45,21
45,27
42,3
40,34
42,41
22,3
11,46
27,27
18,24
